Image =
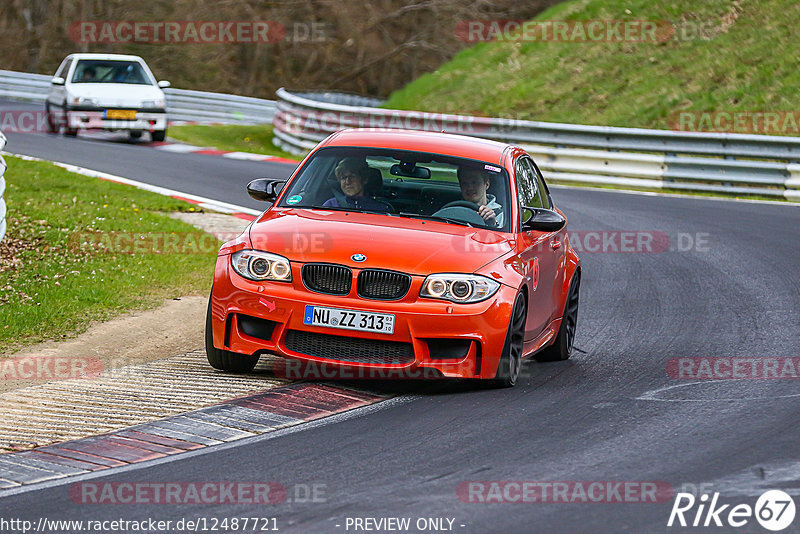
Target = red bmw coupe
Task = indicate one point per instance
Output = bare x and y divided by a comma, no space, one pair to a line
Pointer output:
400,251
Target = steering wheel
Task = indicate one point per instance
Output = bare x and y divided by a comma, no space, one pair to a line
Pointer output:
471,205
462,210
461,204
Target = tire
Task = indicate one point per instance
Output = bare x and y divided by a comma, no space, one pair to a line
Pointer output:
52,127
511,358
69,132
158,135
225,360
135,134
561,349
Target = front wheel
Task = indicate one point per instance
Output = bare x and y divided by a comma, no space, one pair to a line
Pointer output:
511,359
225,360
561,349
52,127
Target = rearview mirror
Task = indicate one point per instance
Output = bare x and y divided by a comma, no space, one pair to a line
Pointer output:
542,220
410,170
57,80
265,189
164,84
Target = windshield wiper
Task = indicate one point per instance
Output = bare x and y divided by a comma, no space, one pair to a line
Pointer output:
339,208
436,218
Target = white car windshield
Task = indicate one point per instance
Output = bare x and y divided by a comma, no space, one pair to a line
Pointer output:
403,183
109,71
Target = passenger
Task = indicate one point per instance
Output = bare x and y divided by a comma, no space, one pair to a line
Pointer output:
474,183
89,75
352,175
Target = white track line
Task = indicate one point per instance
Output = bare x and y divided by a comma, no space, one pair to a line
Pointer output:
209,203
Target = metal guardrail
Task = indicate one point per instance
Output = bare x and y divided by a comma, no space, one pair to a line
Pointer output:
2,189
182,104
694,161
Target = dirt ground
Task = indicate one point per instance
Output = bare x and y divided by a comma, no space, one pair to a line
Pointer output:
176,327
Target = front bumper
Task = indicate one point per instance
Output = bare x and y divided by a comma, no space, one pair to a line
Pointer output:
147,120
440,338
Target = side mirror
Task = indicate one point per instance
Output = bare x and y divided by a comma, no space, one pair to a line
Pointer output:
542,220
164,84
57,80
265,189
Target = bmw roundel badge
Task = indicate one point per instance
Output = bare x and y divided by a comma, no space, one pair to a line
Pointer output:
358,258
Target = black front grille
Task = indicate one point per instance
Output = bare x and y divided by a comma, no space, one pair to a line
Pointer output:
383,285
327,278
349,349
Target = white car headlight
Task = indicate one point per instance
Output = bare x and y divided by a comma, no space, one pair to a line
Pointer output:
257,265
84,101
461,288
157,103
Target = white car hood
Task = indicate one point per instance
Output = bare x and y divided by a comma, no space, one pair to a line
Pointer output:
116,94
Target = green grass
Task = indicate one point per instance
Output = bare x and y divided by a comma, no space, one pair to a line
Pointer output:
256,139
744,60
51,286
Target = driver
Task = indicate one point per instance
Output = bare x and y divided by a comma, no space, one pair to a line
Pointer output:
352,176
474,183
88,75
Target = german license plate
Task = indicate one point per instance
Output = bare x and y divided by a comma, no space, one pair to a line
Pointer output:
382,323
121,114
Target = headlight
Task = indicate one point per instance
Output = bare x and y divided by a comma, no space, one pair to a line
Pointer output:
256,265
84,101
157,103
461,288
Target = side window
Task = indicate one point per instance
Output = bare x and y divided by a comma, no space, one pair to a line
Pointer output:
62,72
542,187
526,187
526,184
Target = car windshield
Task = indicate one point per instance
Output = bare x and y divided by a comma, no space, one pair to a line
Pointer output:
404,184
109,71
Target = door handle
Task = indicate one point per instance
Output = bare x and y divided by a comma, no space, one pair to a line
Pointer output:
556,244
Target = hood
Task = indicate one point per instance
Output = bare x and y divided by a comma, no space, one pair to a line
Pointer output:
411,246
117,94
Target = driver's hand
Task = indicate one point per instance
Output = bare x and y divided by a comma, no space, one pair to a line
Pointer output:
487,214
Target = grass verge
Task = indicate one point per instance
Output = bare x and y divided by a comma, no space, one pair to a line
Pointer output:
725,56
255,139
52,287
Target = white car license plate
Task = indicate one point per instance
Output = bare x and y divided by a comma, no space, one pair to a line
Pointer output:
382,323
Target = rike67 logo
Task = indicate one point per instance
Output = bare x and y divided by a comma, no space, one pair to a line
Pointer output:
774,510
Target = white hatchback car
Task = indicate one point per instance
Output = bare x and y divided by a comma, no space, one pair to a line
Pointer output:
106,92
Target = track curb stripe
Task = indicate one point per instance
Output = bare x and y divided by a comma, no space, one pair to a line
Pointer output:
208,151
240,418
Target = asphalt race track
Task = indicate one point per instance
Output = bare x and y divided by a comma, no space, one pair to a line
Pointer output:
204,175
728,286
